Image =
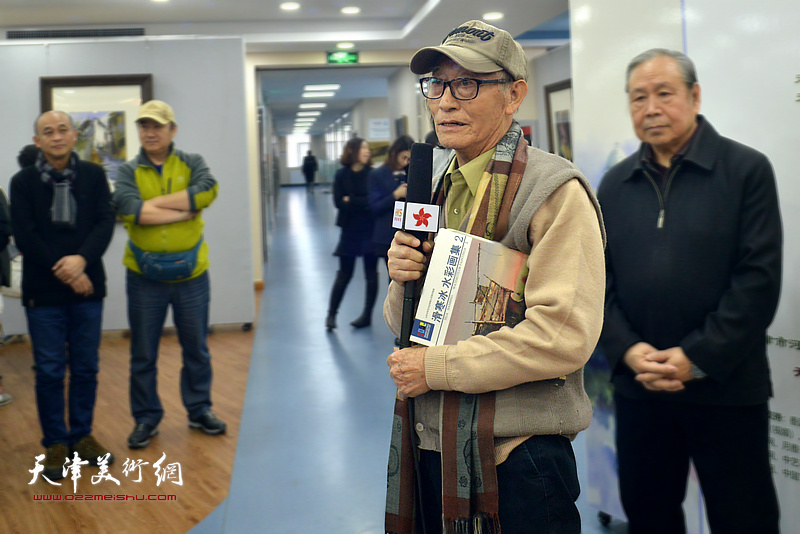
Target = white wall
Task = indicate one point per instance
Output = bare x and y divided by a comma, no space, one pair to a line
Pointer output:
404,100
364,111
528,112
203,79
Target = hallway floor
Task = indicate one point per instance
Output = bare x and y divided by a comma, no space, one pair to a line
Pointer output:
314,436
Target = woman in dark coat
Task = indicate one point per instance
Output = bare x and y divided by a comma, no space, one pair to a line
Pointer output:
350,195
387,184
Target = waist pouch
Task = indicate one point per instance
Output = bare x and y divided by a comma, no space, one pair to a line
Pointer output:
166,266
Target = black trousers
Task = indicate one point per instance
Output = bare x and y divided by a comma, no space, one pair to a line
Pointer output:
538,487
729,446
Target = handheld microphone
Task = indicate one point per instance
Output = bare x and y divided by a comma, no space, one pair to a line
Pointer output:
420,178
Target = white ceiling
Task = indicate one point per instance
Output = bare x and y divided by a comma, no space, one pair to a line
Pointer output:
317,26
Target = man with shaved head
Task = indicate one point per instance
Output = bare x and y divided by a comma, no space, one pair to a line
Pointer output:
63,222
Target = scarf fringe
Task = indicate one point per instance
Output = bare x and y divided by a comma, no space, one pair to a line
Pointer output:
479,524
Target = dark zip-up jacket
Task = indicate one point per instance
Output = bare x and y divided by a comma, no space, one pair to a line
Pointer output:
42,243
697,266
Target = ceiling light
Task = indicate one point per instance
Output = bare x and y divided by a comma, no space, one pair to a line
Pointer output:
160,0
351,10
345,45
309,113
305,119
313,106
323,87
290,6
319,94
494,15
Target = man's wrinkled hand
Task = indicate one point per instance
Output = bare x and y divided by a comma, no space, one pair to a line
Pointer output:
405,261
659,370
407,369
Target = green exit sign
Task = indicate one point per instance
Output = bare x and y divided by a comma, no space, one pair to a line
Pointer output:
342,58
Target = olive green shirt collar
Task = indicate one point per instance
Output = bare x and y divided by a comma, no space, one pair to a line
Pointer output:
460,198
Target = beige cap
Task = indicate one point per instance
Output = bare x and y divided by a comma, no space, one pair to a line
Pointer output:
478,47
158,111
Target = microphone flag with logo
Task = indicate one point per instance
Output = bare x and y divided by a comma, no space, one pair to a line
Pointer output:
419,217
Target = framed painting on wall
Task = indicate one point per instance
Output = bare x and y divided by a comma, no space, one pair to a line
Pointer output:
558,101
103,110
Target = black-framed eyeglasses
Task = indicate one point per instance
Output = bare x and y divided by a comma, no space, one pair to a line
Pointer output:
461,88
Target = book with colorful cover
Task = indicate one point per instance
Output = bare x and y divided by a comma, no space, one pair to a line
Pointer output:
474,286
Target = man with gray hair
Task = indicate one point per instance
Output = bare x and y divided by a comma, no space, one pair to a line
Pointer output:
693,280
495,413
63,221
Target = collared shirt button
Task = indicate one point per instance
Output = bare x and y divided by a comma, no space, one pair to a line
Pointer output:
420,427
455,210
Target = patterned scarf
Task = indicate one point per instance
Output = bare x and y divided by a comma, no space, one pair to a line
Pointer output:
470,499
63,211
49,173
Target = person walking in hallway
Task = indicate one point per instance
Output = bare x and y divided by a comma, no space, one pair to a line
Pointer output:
351,197
160,195
310,167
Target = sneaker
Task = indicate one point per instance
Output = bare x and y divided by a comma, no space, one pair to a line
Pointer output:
55,456
5,398
140,438
90,450
208,423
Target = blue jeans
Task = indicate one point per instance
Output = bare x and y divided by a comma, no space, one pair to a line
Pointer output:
537,485
61,335
148,302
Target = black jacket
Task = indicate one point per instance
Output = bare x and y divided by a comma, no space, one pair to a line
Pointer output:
708,280
42,243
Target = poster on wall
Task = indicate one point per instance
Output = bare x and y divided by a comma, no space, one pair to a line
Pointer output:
103,111
102,139
379,129
558,101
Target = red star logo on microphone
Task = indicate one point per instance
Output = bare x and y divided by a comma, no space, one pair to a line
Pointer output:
422,217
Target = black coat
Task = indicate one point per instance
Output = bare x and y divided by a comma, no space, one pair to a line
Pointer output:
354,216
309,165
708,280
42,243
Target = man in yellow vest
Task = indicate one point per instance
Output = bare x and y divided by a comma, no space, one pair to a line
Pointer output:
160,196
